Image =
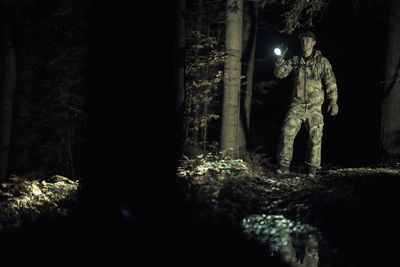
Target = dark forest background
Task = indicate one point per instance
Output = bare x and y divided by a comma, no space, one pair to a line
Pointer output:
49,115
86,83
95,99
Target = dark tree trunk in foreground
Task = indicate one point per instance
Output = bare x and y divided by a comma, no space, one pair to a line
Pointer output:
6,98
180,74
181,55
232,72
390,120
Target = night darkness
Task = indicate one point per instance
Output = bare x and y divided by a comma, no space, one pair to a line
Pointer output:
131,209
130,161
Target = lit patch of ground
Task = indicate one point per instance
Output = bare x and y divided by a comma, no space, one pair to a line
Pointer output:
27,200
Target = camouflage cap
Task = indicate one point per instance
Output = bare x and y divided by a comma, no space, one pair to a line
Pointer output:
307,34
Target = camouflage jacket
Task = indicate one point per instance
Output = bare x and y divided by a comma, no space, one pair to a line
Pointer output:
308,77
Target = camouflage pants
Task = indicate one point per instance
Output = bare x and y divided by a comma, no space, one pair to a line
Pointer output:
312,118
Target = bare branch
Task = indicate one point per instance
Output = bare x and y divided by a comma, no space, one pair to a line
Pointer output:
300,14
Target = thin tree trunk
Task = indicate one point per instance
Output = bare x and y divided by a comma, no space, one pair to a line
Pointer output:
245,41
249,43
204,131
181,56
181,131
203,27
232,72
70,154
7,97
198,134
205,107
242,136
200,18
390,118
250,64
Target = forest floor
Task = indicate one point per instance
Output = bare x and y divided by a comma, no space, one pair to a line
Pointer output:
241,212
30,210
345,216
23,199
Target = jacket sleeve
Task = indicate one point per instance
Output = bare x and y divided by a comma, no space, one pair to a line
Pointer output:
282,68
330,80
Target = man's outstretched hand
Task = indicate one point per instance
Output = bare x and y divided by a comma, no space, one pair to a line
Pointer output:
280,58
333,108
284,49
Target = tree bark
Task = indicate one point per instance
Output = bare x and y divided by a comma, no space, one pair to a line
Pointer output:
179,81
7,97
245,60
251,63
181,55
390,117
232,73
249,45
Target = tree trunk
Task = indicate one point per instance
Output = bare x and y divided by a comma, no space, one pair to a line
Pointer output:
390,118
251,63
200,7
7,97
180,78
249,45
245,41
232,73
181,56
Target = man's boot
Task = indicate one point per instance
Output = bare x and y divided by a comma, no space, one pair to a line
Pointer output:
311,171
282,170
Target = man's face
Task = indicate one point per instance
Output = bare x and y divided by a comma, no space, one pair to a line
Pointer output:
307,43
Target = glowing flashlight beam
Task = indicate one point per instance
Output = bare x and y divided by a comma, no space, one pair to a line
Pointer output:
277,51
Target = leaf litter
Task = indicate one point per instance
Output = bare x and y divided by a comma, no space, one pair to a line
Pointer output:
23,199
268,206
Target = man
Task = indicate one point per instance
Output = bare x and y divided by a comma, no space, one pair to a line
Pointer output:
310,71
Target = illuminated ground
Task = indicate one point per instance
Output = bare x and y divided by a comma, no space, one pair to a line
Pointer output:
236,212
29,199
35,219
353,209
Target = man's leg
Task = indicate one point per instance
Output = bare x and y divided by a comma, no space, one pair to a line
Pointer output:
314,125
290,128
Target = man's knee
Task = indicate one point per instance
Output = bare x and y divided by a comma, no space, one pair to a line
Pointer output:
290,128
315,134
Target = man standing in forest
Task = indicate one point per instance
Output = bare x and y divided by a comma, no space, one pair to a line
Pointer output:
309,70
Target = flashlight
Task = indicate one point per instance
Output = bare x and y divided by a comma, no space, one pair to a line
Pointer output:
277,51
280,50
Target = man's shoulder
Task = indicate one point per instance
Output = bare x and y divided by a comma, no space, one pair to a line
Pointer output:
320,58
